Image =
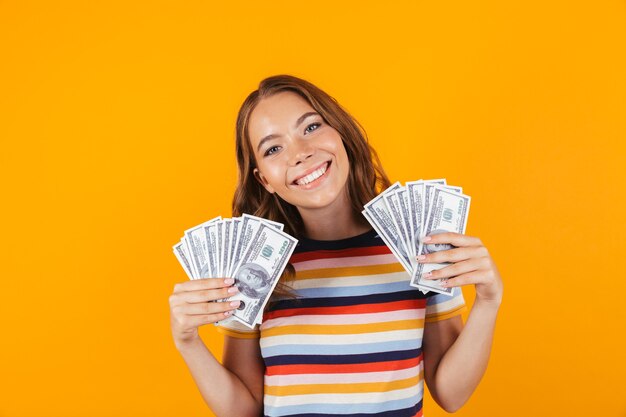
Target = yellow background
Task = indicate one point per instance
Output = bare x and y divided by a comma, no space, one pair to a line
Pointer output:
117,125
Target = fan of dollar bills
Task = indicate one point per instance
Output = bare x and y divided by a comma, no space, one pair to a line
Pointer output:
251,250
403,215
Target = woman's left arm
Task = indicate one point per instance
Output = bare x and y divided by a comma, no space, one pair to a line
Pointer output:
456,356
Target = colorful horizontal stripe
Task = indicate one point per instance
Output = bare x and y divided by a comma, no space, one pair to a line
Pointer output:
350,344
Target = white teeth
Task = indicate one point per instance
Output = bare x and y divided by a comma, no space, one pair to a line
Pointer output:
312,176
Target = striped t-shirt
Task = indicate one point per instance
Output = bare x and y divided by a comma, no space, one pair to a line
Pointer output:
350,344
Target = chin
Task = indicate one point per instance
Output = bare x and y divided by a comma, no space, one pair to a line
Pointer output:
320,201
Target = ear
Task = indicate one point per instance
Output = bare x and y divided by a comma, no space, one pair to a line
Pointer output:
261,178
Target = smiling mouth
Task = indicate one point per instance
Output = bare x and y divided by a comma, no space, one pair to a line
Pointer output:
307,179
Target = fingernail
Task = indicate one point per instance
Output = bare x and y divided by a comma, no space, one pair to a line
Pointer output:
421,257
233,290
426,239
235,303
229,281
228,313
427,275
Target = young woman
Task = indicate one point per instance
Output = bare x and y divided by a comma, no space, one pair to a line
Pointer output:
346,335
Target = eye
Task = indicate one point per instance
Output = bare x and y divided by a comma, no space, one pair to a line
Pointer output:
271,150
312,124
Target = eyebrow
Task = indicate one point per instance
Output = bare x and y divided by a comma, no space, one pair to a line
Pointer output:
298,122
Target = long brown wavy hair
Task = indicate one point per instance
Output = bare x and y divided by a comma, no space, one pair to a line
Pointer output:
366,176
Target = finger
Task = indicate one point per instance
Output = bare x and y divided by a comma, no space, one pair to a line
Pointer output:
203,296
206,308
202,319
455,269
453,255
203,284
474,277
455,239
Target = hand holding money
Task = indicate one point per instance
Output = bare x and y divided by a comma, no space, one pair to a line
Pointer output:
468,263
423,224
251,250
403,215
194,303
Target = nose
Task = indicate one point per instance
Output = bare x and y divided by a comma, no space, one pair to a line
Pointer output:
301,151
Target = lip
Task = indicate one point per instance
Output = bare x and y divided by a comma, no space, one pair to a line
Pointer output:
311,170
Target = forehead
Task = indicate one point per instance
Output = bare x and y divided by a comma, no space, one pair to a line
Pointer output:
274,114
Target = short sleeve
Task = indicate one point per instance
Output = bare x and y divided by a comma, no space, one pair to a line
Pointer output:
442,306
238,330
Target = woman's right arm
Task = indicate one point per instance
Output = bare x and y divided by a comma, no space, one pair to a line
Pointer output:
236,388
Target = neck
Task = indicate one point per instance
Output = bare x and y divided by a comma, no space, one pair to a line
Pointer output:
333,222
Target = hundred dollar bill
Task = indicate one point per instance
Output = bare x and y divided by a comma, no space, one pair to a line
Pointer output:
430,193
448,214
234,241
225,247
399,211
393,207
195,239
259,270
428,186
390,244
183,259
415,192
220,248
249,225
405,210
188,256
210,233
381,219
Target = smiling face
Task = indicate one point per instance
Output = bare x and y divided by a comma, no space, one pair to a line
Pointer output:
298,155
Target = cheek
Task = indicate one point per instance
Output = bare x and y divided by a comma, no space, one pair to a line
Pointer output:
342,156
334,144
273,174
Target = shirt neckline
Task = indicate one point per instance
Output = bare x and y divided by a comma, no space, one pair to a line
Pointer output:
348,242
